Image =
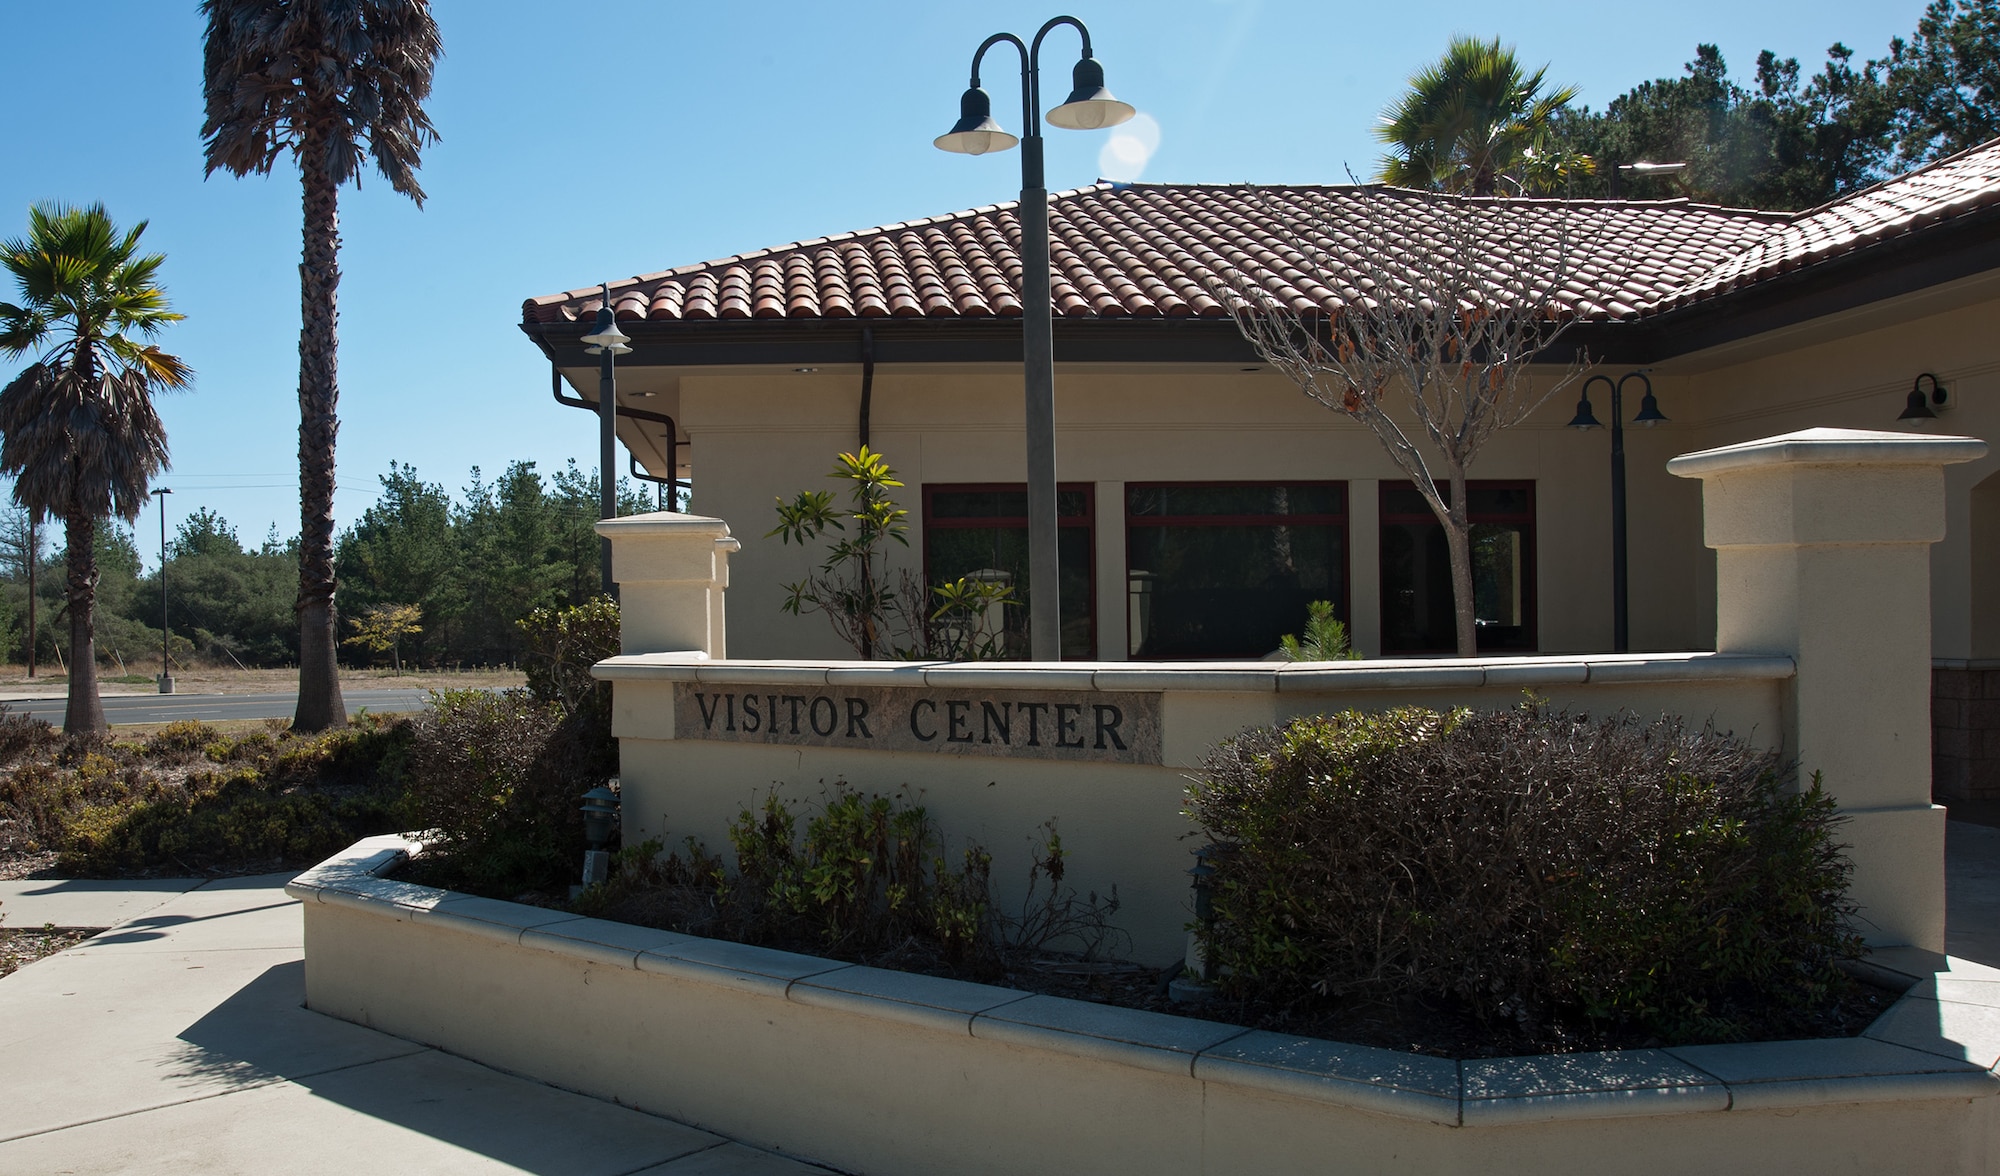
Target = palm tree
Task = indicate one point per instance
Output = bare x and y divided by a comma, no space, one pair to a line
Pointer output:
324,80
77,428
1471,120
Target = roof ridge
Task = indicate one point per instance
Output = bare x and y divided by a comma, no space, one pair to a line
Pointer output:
1858,193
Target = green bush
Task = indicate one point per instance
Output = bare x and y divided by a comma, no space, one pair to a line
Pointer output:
1556,876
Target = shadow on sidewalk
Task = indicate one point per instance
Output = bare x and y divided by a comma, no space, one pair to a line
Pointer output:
263,1034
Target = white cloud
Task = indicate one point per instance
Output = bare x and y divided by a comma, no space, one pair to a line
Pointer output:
1128,150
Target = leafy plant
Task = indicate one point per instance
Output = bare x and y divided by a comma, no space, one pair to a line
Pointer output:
868,879
873,612
1325,638
1556,876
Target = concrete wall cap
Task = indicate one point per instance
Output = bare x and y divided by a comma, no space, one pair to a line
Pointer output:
1210,677
1830,447
663,523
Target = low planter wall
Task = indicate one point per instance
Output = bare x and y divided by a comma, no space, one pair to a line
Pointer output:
885,1073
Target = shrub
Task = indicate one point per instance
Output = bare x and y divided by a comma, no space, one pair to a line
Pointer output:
110,808
496,778
182,741
869,880
1545,871
23,736
562,645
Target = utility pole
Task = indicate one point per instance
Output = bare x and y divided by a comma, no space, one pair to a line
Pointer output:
34,557
166,671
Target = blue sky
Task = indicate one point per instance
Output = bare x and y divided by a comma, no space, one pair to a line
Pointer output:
584,142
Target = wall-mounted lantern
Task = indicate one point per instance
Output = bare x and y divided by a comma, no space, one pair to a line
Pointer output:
1925,407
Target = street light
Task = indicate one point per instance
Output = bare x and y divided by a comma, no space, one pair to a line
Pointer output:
1089,107
166,672
606,340
1649,415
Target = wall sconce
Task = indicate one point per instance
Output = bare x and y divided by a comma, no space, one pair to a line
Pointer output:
1921,407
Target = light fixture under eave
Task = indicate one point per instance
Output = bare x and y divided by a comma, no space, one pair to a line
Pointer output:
1920,407
606,336
975,132
1090,106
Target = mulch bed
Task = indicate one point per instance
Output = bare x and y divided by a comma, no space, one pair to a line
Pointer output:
20,947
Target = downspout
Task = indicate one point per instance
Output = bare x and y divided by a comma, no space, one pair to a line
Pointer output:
867,378
672,481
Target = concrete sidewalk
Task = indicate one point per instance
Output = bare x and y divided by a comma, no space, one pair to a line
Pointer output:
178,1042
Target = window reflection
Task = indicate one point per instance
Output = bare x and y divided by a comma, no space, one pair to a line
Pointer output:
1225,570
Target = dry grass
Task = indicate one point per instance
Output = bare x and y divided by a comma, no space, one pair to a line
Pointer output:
230,680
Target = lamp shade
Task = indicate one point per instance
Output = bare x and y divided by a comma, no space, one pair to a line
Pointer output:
975,132
600,814
1089,106
606,336
1649,412
1584,418
1917,407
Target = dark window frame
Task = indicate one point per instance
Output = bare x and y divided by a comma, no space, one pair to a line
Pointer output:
1530,555
1087,522
1343,606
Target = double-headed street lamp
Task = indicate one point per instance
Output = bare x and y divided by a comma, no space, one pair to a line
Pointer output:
1089,107
1649,415
606,340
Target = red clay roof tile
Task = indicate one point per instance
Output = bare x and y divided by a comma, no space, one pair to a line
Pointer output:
1149,250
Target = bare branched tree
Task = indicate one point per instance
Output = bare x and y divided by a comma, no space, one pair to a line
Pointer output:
1432,313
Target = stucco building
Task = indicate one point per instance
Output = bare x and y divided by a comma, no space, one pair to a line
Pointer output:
1205,501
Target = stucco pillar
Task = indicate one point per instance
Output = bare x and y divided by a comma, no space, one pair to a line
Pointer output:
1822,541
671,571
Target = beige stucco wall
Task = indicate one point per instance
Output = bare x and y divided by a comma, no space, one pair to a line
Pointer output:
757,434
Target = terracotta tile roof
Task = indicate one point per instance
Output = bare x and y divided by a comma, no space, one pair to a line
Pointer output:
1141,250
1949,188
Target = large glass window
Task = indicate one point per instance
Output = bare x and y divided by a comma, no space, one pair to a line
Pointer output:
1224,570
983,531
1416,570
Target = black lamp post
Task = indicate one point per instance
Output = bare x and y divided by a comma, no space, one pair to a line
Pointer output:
166,672
606,340
1089,107
1649,415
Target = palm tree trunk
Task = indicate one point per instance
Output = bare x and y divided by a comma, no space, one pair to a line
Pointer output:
320,705
85,713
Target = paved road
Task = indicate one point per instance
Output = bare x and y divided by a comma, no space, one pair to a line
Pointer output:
168,708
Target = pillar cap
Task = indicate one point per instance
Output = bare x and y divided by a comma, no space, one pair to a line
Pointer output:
662,522
1830,447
